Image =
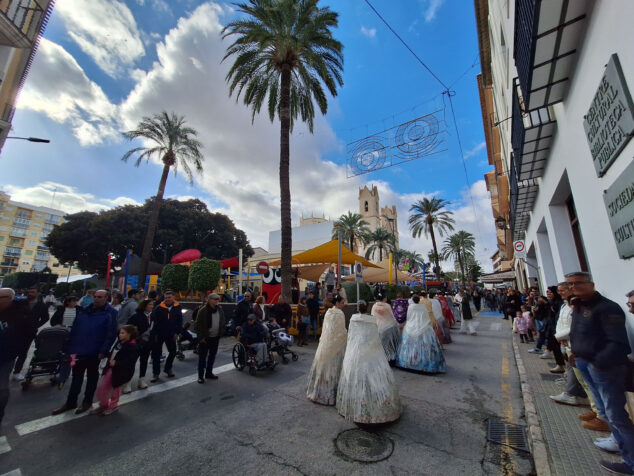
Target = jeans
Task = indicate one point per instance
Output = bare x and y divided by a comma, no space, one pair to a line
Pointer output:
313,326
573,386
260,352
207,356
608,387
5,373
108,395
88,364
555,348
586,388
170,343
144,355
19,363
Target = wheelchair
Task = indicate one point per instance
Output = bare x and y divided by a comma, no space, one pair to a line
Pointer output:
244,355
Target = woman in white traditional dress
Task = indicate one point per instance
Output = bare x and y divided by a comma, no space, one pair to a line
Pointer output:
324,373
420,349
388,327
367,390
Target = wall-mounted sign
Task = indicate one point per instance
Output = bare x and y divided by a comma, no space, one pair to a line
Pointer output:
520,249
609,123
619,201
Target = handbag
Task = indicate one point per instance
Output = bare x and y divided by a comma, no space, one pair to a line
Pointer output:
305,319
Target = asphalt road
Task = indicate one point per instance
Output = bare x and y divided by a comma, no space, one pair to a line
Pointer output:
242,424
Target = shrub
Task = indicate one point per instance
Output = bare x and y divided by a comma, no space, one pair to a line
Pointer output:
175,277
204,275
364,290
22,280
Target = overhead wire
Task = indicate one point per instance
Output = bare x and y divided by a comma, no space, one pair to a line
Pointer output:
449,93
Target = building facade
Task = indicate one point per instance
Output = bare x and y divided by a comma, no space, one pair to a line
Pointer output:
371,211
23,231
555,91
21,24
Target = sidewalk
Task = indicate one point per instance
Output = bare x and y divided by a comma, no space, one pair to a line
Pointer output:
569,446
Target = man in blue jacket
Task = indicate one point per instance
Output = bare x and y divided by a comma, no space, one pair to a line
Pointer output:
600,346
93,333
167,323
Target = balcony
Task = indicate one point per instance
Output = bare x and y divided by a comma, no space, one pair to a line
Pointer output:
523,195
20,22
21,222
12,252
19,232
9,264
53,219
547,34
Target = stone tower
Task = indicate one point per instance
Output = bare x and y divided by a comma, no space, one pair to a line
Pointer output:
371,211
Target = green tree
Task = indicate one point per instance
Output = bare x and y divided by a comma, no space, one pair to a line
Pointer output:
285,50
428,216
353,227
204,275
365,292
175,145
175,277
379,240
472,268
458,246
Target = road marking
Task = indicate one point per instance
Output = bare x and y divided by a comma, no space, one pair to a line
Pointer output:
15,472
49,421
5,447
496,326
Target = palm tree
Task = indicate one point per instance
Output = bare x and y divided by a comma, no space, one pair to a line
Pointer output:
285,51
416,260
175,144
458,246
397,255
427,215
353,227
379,240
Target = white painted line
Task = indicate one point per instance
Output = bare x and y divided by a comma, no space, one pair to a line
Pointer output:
48,421
5,447
496,326
15,472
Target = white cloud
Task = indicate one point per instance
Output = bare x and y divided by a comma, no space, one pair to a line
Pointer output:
475,150
64,197
105,30
431,8
369,32
75,99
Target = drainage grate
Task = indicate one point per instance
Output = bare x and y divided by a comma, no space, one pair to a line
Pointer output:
361,445
507,434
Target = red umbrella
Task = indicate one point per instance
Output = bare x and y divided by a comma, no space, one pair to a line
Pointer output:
185,256
230,263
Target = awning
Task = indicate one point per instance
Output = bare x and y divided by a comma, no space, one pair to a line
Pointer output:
381,274
327,254
500,277
73,278
230,263
312,272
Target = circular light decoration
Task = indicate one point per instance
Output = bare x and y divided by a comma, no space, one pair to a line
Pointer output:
367,155
419,136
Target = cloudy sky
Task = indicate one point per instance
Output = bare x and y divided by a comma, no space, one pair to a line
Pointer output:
104,64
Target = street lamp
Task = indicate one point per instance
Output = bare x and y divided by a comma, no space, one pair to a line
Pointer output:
31,139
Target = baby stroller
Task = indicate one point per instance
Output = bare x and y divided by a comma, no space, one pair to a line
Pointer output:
49,357
187,340
279,342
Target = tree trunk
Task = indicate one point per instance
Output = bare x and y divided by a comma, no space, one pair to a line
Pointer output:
433,242
151,228
461,266
380,254
352,270
285,188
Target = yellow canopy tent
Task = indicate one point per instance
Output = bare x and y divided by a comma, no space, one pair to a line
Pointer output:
381,274
327,253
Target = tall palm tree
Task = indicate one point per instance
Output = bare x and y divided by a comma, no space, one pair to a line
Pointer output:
175,145
397,255
353,227
427,215
458,246
416,260
379,240
284,50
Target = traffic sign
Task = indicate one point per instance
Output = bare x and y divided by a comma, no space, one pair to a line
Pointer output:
262,267
358,271
520,249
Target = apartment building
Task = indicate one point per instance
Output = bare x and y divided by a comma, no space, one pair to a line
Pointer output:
558,118
21,24
23,231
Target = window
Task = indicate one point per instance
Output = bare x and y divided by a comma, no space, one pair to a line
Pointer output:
28,252
21,222
366,206
38,215
48,227
35,224
18,232
34,233
23,214
55,219
12,251
4,218
32,242
42,255
1,238
44,234
26,262
3,228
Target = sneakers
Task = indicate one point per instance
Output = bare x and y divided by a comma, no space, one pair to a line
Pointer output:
559,369
127,388
546,355
597,425
567,399
201,380
18,377
535,350
98,411
141,385
587,416
616,468
609,444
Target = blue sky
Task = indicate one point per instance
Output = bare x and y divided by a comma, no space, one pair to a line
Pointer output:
103,64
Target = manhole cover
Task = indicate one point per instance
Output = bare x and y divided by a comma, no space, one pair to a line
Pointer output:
364,446
507,434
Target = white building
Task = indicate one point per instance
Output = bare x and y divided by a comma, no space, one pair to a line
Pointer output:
306,236
556,90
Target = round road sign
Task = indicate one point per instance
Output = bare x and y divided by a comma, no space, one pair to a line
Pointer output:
262,267
518,246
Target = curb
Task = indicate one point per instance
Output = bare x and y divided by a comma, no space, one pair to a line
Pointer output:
536,436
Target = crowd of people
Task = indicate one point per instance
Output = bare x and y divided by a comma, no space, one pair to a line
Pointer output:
585,333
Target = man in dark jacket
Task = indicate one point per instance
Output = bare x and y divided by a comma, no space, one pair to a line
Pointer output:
209,327
38,316
312,303
253,334
242,310
14,329
167,323
93,334
598,339
282,312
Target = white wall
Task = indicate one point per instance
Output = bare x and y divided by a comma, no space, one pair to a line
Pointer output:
304,237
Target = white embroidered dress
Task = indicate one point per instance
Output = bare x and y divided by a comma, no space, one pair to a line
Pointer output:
388,328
